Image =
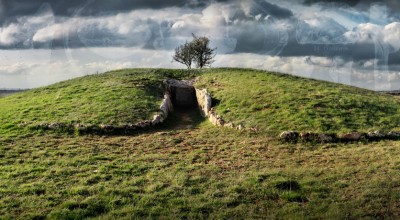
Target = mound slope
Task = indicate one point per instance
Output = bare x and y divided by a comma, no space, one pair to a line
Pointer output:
275,102
269,102
117,97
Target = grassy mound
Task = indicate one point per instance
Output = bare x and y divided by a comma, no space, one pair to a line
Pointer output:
117,97
268,101
278,102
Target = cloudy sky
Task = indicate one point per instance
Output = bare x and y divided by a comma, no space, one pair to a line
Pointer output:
353,42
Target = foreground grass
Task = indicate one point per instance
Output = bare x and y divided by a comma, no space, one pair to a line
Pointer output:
278,102
117,97
200,172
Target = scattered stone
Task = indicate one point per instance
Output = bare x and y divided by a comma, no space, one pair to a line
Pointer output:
289,135
229,125
327,138
215,119
57,125
93,129
80,128
43,125
78,125
375,135
204,102
23,124
394,134
255,129
107,127
353,136
308,136
143,124
129,127
157,119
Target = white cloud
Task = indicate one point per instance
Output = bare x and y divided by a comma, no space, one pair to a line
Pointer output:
9,34
212,16
34,68
34,71
393,77
378,13
372,33
17,68
108,65
366,33
25,27
52,32
370,63
391,35
322,68
319,29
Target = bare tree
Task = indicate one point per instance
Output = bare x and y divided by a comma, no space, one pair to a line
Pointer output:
203,54
184,54
197,51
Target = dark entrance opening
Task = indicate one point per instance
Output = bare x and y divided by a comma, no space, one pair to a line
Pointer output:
186,113
183,94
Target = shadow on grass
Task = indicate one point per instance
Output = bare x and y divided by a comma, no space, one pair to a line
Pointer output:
181,119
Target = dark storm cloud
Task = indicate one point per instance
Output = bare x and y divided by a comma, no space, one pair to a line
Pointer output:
264,8
343,2
256,26
353,2
83,34
358,52
296,39
393,5
394,59
310,37
13,9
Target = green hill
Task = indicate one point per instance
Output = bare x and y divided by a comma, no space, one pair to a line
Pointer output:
270,102
278,102
117,97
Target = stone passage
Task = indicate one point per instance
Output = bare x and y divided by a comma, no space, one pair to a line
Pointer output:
180,97
183,94
166,107
204,101
185,97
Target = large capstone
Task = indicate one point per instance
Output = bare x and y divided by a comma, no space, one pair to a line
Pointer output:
182,92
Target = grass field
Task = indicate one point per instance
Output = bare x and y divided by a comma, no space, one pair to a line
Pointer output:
189,169
201,172
278,102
